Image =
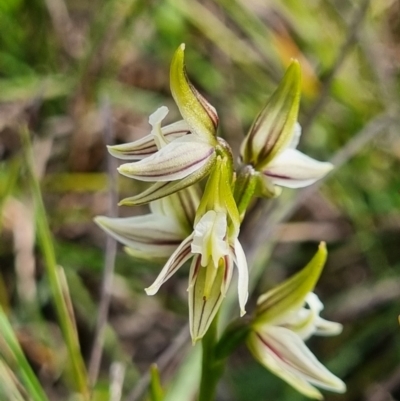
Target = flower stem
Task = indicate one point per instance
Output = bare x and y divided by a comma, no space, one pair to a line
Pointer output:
245,188
211,368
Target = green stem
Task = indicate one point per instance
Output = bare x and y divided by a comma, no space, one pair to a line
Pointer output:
211,368
245,187
52,270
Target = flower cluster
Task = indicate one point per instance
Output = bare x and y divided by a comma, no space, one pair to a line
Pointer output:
187,222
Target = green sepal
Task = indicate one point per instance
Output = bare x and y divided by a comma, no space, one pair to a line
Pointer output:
233,336
218,193
290,295
196,111
272,130
156,391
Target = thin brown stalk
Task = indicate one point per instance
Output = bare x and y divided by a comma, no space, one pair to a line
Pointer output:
110,253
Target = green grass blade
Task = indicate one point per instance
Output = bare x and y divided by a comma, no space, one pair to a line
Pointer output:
10,387
12,352
56,285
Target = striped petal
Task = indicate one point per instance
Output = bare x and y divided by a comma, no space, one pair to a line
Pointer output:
284,353
161,189
177,259
202,308
294,169
151,234
177,160
146,146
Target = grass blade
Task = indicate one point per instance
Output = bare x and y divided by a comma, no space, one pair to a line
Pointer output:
11,351
52,270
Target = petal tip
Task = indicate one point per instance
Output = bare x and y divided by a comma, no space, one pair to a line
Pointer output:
295,69
99,220
102,221
158,115
126,202
328,167
151,290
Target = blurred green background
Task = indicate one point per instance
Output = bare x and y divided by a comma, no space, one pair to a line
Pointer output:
72,70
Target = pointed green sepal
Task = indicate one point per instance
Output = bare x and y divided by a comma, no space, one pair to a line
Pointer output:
197,112
290,295
218,194
156,390
273,129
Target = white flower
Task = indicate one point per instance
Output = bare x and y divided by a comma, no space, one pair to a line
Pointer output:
208,280
281,325
215,249
178,162
270,145
209,237
178,155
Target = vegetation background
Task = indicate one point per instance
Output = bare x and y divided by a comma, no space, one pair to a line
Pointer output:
81,73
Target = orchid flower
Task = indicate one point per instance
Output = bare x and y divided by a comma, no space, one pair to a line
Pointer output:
281,325
155,236
177,155
215,249
270,145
